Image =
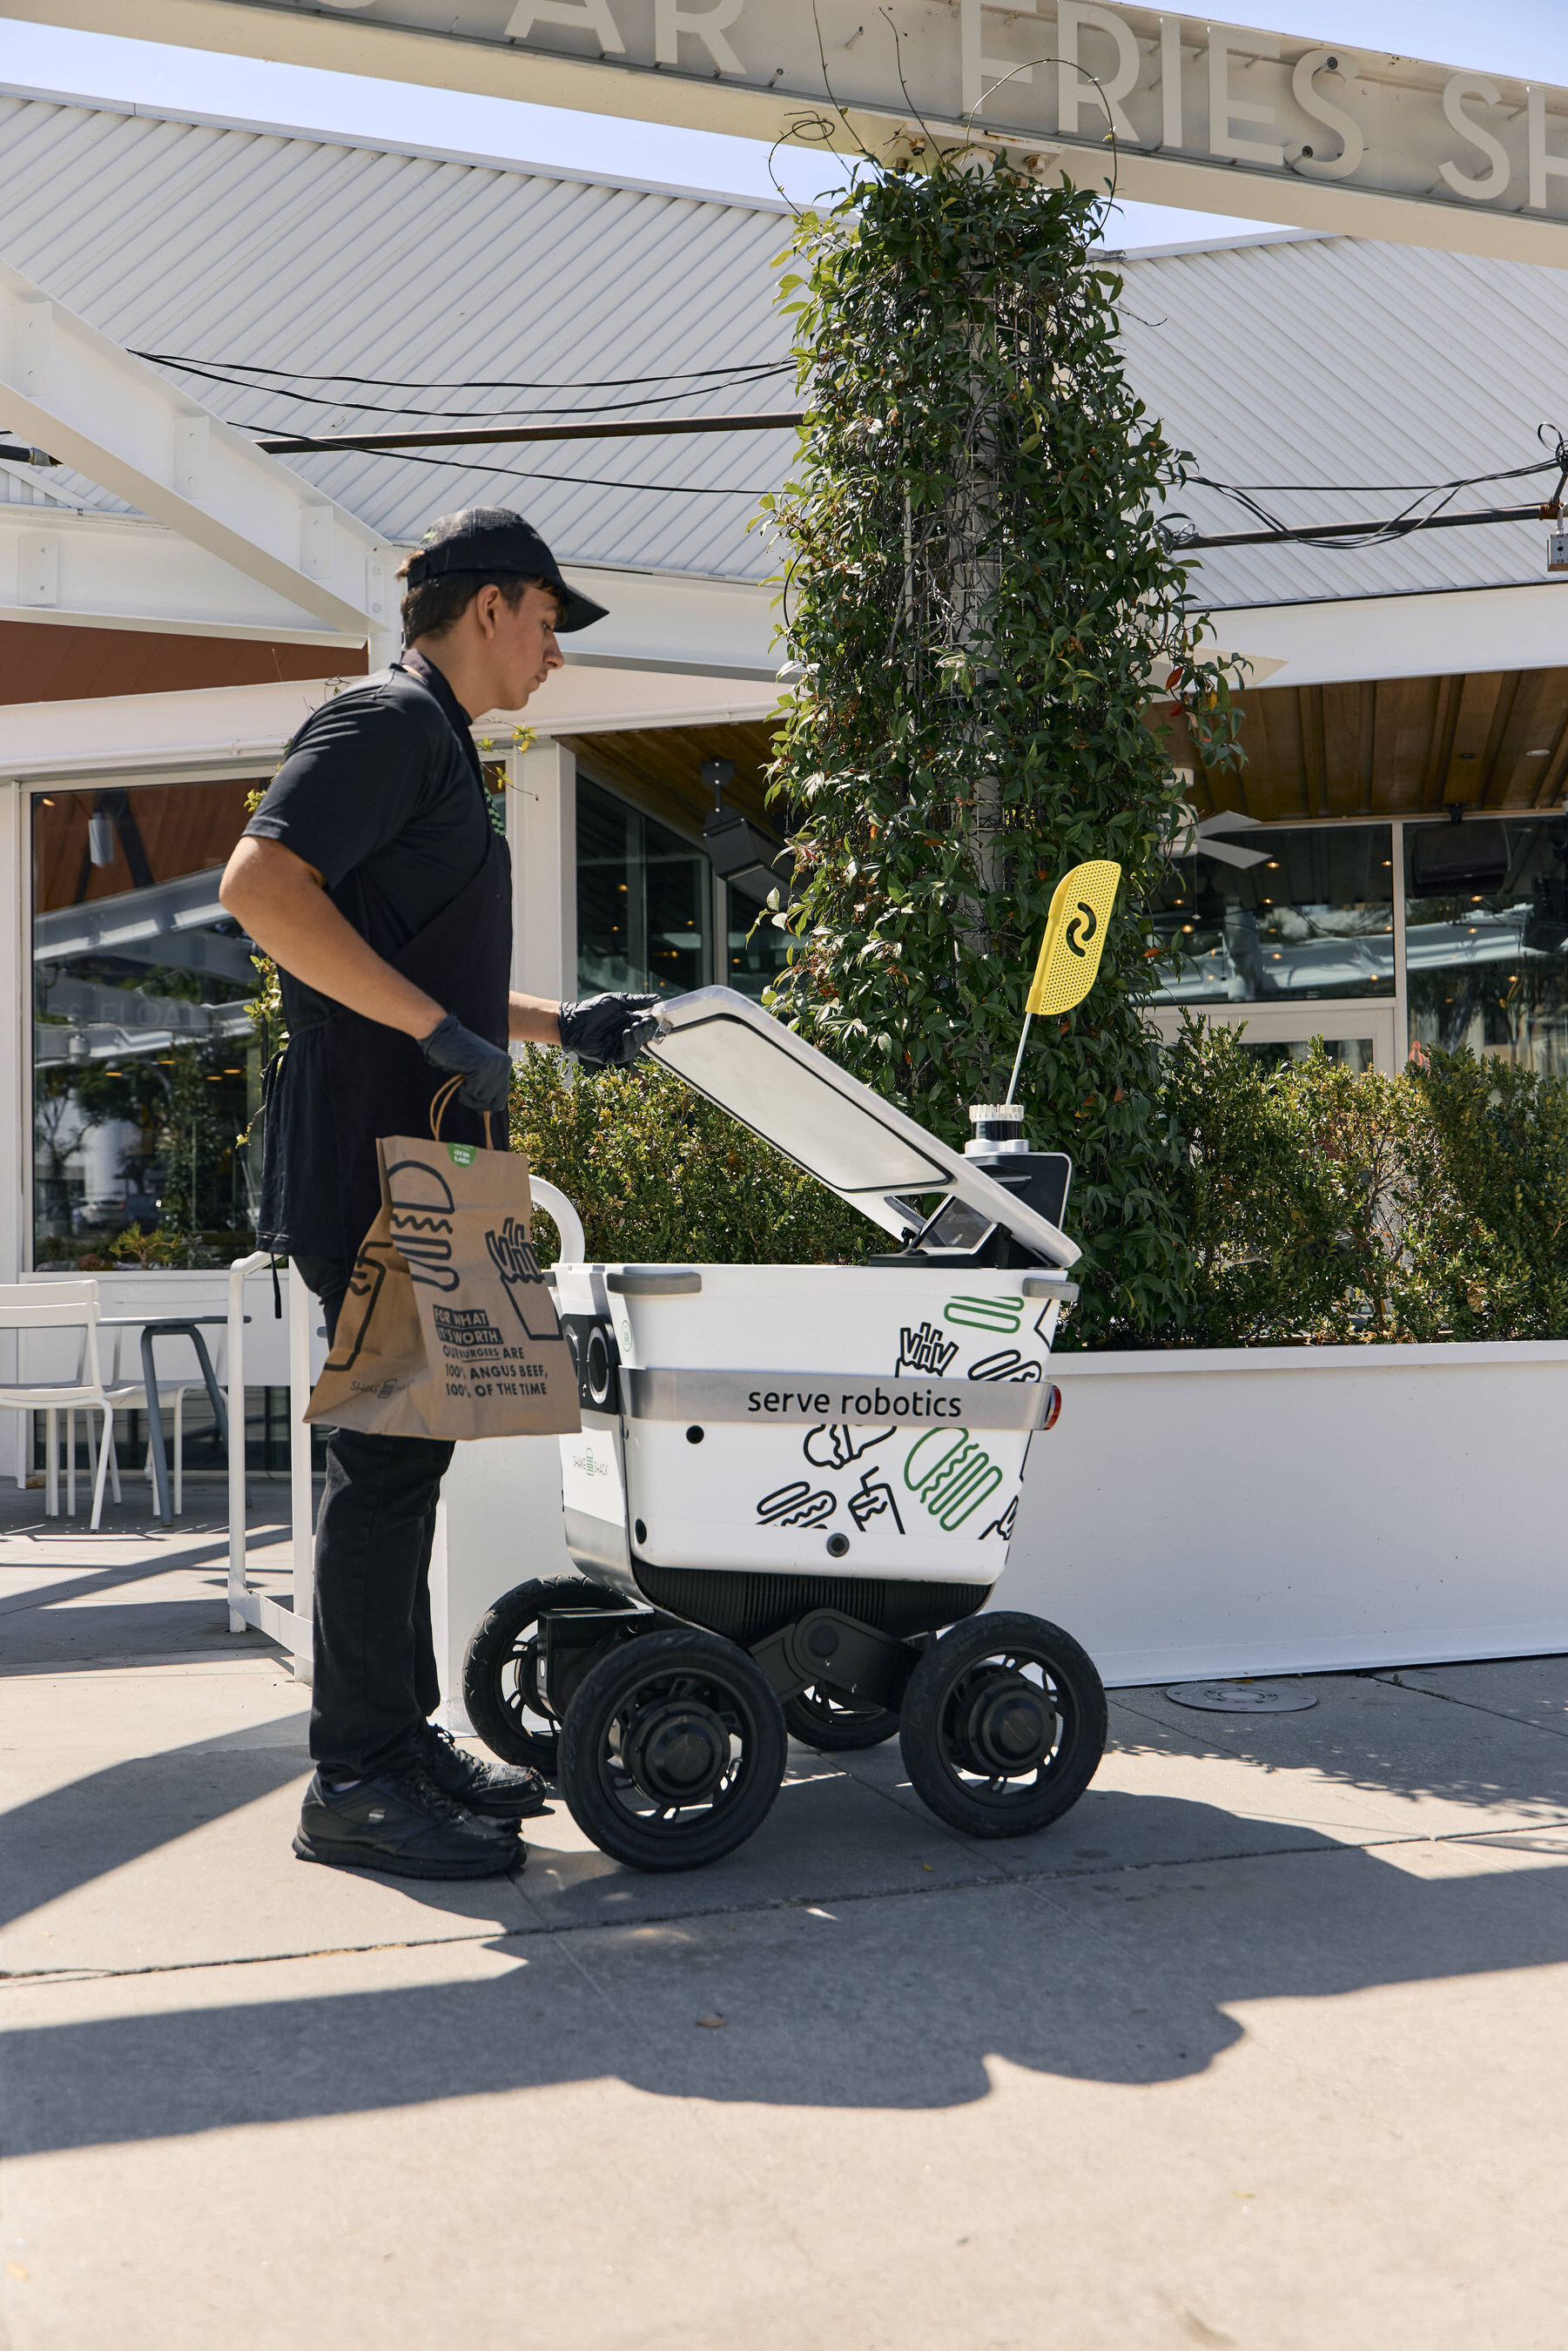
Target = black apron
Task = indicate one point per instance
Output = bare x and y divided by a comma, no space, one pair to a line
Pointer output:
342,1081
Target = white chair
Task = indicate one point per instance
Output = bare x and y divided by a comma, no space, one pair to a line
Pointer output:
67,1307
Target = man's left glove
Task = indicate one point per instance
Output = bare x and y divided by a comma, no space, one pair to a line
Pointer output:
608,1032
485,1069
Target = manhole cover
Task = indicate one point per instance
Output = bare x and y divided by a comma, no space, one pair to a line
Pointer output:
1243,1697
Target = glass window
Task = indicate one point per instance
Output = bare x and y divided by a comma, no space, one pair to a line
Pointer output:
1486,918
644,900
1266,914
1356,1053
146,1063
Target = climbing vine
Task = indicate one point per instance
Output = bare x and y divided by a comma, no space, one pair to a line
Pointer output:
982,605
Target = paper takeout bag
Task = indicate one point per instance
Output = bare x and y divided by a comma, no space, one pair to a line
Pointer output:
448,1329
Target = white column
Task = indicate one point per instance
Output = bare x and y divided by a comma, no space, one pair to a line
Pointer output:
541,831
302,1309
15,1079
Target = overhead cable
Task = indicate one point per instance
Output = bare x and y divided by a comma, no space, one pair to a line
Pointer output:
467,435
233,370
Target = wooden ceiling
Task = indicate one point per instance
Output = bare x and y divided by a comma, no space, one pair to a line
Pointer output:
660,769
1396,746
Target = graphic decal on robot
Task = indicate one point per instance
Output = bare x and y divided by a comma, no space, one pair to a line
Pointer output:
796,1506
873,1498
952,1475
1006,1365
833,1445
516,1260
1002,1314
924,1349
1004,1525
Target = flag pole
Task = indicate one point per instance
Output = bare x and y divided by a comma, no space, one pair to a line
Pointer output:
1017,1061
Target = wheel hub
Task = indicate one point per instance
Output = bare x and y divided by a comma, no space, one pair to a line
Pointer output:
1008,1725
677,1751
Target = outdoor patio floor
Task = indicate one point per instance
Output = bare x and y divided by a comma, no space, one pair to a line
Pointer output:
1265,2045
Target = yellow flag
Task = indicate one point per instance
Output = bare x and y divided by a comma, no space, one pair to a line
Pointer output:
1074,935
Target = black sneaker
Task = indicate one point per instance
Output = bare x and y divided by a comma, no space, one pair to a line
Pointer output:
498,1792
404,1823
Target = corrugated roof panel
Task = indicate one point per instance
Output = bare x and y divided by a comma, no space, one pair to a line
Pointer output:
1333,362
307,254
1319,360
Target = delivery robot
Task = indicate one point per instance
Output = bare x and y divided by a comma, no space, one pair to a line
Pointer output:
794,1490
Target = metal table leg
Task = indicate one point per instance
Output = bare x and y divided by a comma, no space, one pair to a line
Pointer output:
161,1504
171,1330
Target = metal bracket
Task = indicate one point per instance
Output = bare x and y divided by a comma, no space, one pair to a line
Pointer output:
827,1650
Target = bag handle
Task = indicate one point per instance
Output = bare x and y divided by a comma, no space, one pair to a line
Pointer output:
438,1108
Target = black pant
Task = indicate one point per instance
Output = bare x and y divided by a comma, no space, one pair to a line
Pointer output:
375,1681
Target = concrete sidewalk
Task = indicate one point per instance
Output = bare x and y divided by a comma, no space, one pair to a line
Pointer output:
1263,2045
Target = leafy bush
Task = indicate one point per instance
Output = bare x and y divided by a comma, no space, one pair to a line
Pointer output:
1488,1206
658,1174
1322,1205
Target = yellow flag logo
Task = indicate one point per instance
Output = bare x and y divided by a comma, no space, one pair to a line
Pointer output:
1074,935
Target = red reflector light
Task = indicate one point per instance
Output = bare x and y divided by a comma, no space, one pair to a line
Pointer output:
1053,1408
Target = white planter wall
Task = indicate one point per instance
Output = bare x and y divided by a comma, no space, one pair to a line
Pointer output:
1300,1508
1271,1511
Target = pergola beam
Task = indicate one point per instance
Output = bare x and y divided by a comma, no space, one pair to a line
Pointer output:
72,391
116,571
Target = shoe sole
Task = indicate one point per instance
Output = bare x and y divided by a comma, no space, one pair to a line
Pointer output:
402,1864
513,1813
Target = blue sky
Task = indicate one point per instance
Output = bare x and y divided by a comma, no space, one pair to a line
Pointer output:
1527,38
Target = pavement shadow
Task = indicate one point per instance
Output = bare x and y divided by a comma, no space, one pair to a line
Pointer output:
1376,1732
888,2003
59,1842
57,1627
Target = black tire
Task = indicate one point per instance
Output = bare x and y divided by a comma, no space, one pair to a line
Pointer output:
499,1688
671,1750
994,1762
835,1725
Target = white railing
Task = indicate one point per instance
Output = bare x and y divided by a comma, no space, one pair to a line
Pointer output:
290,1626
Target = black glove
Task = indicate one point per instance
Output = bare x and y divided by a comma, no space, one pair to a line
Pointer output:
487,1069
608,1032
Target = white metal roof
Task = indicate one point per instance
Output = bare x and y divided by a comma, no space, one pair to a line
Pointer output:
302,252
1274,358
1327,359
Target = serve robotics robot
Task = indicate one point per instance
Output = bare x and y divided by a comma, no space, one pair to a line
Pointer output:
795,1487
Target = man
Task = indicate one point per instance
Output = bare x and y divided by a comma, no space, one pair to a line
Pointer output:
374,877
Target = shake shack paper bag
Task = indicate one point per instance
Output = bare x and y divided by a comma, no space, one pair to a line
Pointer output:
448,1329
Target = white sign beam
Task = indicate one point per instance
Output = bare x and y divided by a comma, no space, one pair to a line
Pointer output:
1261,124
114,572
68,389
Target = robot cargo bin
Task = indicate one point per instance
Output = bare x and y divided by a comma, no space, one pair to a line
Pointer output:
790,1481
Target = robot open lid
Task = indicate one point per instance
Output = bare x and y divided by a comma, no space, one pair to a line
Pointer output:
860,1147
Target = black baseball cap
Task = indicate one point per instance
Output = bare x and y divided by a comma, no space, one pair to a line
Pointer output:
493,543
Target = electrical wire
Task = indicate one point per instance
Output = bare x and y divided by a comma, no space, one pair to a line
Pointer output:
573,481
1356,489
736,376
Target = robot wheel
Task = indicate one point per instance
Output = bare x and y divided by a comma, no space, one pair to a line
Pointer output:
500,1671
1003,1725
672,1749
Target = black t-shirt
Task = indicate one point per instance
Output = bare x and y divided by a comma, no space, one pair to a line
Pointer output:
382,791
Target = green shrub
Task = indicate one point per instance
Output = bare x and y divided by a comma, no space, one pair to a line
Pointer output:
1313,1204
660,1175
1487,1211
1327,1205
